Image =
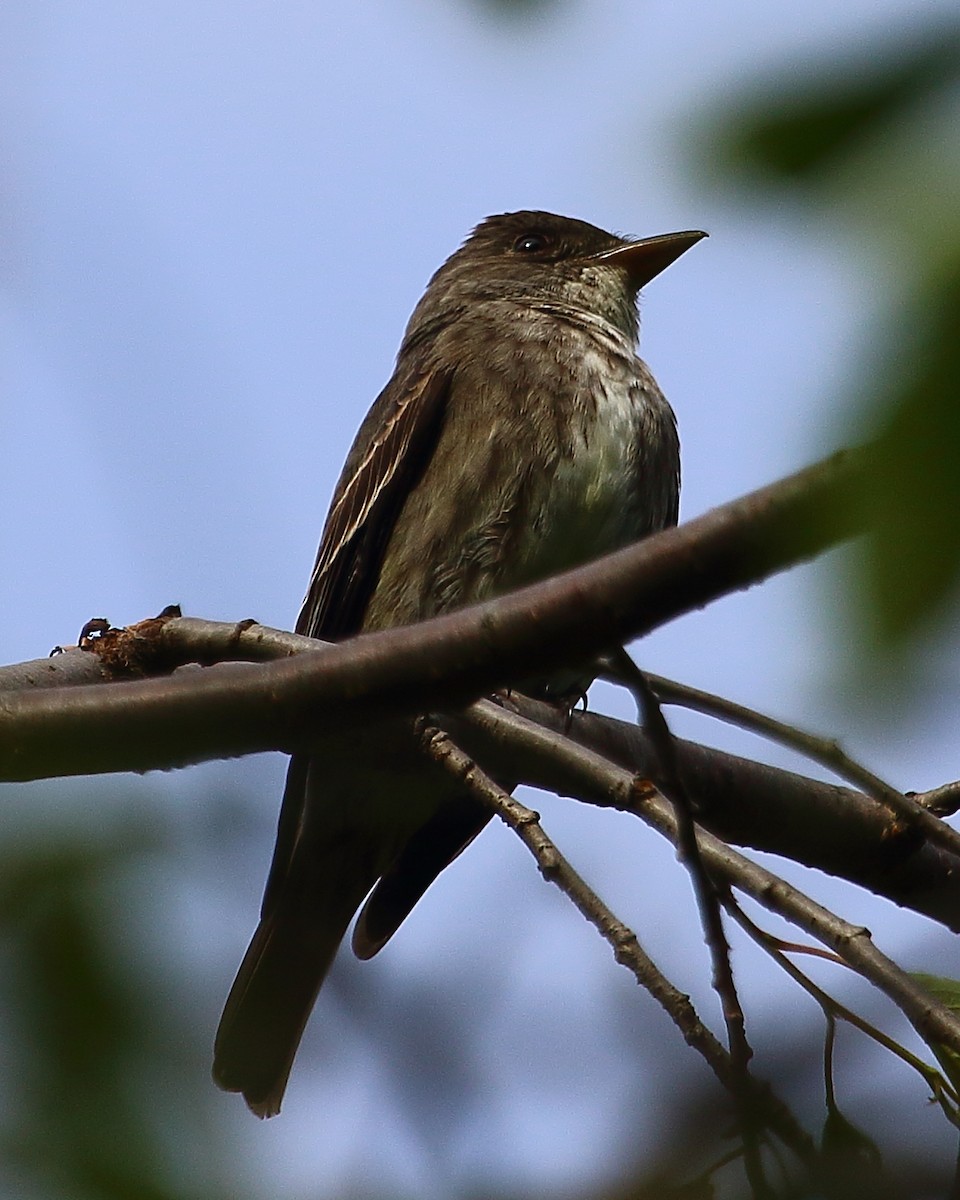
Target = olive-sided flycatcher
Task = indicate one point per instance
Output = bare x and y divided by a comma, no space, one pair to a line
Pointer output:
520,435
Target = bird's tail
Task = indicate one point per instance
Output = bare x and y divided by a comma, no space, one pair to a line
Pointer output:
275,990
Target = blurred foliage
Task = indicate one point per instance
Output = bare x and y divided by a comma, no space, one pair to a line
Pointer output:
847,1166
101,1096
870,144
513,10
812,129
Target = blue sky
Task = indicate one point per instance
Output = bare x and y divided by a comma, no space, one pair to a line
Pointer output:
215,219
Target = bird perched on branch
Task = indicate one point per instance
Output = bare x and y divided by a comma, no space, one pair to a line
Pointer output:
519,435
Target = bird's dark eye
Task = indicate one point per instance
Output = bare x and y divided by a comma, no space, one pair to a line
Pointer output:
530,243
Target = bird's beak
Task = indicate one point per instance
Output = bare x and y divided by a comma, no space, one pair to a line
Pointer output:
645,259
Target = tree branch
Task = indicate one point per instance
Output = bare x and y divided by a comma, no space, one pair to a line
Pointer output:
826,751
822,825
627,950
447,661
570,769
835,829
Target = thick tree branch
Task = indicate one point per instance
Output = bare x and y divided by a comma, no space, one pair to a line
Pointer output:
835,829
447,661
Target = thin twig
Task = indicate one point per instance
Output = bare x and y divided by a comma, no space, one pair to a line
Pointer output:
666,776
571,769
829,1043
943,800
669,783
943,1091
626,948
826,751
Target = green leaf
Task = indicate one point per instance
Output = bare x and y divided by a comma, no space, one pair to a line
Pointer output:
947,991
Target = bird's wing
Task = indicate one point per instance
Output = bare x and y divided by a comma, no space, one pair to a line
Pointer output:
391,451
